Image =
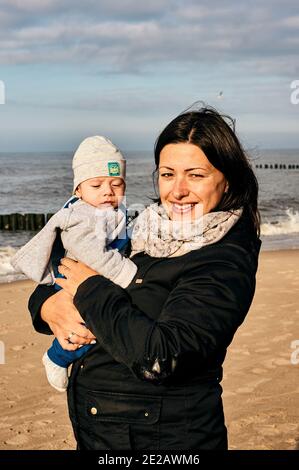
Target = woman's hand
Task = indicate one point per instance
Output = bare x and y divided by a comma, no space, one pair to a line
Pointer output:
75,273
65,321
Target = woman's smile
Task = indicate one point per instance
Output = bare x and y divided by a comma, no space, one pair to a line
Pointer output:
181,209
184,212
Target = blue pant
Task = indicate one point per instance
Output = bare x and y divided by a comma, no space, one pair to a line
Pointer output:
56,353
64,358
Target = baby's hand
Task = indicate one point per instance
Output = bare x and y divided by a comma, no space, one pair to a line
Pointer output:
75,273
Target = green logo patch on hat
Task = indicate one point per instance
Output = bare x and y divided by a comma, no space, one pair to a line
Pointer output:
113,169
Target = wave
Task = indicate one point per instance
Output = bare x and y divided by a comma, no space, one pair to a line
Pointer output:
7,272
286,224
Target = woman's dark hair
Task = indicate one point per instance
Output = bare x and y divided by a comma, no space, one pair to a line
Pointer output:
210,131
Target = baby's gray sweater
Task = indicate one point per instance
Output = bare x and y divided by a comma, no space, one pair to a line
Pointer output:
85,231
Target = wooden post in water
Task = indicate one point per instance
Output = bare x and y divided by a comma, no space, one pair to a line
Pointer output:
276,166
29,222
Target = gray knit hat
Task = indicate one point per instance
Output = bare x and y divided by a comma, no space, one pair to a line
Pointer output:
97,156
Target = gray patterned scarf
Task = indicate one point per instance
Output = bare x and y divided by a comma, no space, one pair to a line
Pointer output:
157,235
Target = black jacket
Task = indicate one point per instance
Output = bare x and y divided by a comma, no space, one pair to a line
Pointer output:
173,324
152,382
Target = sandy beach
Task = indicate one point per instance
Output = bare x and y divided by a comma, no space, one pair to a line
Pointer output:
261,387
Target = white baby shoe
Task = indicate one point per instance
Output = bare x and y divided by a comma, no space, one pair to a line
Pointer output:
57,376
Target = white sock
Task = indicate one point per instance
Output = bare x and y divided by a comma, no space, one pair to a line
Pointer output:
57,376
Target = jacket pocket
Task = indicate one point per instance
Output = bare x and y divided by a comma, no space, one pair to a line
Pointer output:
123,407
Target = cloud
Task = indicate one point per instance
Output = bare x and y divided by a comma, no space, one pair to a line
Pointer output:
129,65
105,9
133,36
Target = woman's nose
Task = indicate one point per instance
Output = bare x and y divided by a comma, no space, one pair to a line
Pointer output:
180,189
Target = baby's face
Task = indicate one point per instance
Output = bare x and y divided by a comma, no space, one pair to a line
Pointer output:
103,191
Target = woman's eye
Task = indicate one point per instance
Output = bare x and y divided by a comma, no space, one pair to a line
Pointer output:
166,175
196,175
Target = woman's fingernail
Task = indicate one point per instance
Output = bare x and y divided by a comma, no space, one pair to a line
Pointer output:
93,341
80,346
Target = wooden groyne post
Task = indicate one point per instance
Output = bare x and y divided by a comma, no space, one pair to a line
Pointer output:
33,222
29,222
277,166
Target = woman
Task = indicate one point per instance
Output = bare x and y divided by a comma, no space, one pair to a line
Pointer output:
152,382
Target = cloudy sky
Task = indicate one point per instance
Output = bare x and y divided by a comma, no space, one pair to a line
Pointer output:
124,68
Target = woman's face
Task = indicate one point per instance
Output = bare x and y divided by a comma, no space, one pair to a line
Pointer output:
189,184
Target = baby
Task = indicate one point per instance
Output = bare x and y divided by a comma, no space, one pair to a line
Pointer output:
91,228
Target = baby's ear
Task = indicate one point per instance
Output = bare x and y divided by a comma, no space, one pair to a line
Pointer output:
78,191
